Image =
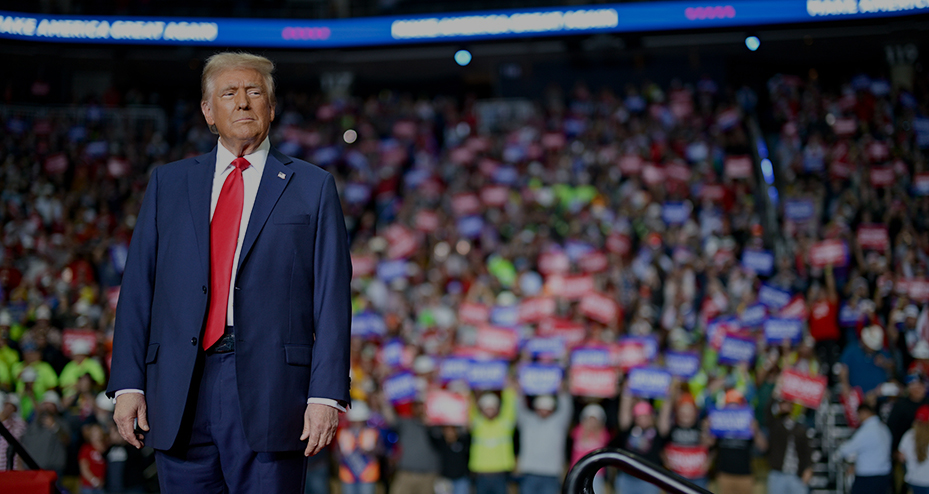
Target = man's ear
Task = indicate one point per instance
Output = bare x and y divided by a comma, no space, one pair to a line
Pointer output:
207,112
272,113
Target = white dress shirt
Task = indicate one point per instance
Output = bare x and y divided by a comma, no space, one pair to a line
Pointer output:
870,446
251,178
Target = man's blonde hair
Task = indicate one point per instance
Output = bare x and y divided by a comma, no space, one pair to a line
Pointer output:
236,60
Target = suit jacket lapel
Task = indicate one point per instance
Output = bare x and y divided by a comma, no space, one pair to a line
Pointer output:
274,179
199,190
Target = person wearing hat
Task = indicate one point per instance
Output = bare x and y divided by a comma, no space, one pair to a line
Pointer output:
81,363
870,448
866,364
11,419
543,431
638,434
47,437
588,435
358,448
905,407
493,423
33,378
734,454
684,436
913,451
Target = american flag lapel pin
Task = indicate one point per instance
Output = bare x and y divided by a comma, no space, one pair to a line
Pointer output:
281,175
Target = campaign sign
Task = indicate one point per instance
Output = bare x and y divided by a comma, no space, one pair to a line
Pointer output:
796,309
827,252
596,382
630,164
572,332
689,462
773,297
753,316
400,387
618,243
736,349
649,345
473,314
453,369
552,347
882,176
848,316
649,382
682,364
718,328
591,356
734,422
598,307
873,237
401,242
802,389
368,324
554,263
799,209
465,204
505,315
571,287
426,221
470,226
488,374
921,184
738,167
675,213
778,329
392,353
628,354
500,342
758,261
447,408
593,262
540,379
363,265
388,271
495,195
71,336
533,310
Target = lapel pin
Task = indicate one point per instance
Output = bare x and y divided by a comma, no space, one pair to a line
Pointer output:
281,175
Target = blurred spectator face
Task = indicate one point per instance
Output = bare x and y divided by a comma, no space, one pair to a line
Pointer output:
643,416
85,384
544,405
686,415
916,388
489,404
240,106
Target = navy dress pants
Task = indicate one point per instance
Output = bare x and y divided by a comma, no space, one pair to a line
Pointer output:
212,454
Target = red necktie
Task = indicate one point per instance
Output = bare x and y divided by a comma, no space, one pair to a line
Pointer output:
224,236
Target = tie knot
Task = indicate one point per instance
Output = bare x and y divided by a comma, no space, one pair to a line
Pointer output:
241,163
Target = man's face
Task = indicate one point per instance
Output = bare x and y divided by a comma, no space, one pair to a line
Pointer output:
239,106
917,390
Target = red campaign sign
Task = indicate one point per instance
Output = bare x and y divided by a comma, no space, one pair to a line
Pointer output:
71,336
593,262
596,382
112,297
630,164
882,176
918,290
653,174
878,151
738,167
795,309
461,156
56,163
687,461
495,195
828,252
478,144
446,408
713,192
488,166
840,169
873,237
553,140
599,307
572,332
117,167
405,129
802,389
500,342
678,171
363,265
473,314
628,354
466,204
570,287
554,263
534,310
401,242
845,126
618,243
850,403
426,221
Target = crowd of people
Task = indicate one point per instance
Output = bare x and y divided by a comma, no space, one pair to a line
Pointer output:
530,286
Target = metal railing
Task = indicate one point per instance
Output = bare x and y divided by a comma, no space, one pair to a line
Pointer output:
580,478
16,448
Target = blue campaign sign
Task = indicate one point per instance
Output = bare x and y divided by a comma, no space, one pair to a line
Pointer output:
734,422
400,387
388,271
799,209
675,213
591,357
773,297
488,374
392,353
682,364
778,329
735,350
759,261
506,316
753,316
454,368
446,27
649,382
540,379
727,323
368,324
649,343
848,316
470,226
546,347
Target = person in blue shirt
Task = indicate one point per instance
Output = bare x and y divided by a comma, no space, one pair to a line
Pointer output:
869,448
867,364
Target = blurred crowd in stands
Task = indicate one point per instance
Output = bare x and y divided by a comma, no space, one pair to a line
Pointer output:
532,281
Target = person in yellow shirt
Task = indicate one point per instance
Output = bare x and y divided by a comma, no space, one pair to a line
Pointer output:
493,422
80,364
33,378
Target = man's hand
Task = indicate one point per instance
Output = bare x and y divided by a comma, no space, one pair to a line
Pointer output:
129,407
319,426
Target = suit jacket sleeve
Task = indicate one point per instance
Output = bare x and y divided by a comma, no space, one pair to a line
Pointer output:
331,300
133,313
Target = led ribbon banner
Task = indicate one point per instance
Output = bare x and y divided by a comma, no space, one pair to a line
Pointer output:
453,27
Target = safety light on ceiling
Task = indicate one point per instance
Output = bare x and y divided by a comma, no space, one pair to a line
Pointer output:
752,43
462,57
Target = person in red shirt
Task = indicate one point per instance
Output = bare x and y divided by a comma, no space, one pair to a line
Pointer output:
91,460
824,320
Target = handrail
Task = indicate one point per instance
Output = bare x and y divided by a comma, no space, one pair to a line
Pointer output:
580,478
18,449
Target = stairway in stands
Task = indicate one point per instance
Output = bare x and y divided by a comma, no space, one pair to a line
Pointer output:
831,430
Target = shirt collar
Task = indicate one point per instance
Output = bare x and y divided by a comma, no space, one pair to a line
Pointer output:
224,157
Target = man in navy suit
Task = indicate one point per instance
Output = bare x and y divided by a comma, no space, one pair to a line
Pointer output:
231,347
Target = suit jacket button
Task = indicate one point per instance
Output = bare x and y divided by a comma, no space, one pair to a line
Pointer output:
204,288
193,341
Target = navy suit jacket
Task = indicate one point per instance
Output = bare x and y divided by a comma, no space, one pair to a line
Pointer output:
292,304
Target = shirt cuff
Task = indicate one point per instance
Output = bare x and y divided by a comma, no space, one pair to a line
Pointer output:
124,391
327,402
